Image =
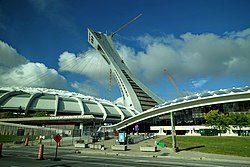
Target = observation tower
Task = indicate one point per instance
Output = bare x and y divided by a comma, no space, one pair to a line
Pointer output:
135,94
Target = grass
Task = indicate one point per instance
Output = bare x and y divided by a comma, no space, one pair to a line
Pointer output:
239,146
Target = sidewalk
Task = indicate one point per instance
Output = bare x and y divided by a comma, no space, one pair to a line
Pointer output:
134,150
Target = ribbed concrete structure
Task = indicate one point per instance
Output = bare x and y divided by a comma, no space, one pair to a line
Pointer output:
135,94
26,101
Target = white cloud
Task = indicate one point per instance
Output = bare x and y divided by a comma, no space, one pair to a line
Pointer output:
185,57
16,70
9,56
199,83
129,56
90,64
194,55
86,88
157,57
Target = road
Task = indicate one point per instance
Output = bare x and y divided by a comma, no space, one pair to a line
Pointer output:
26,157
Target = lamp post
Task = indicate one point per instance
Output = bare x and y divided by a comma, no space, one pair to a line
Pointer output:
173,131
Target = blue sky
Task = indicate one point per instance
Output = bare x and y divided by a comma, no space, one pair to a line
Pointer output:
204,45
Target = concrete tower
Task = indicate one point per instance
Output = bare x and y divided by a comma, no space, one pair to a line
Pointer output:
134,93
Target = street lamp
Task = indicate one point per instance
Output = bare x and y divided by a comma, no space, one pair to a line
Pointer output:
173,131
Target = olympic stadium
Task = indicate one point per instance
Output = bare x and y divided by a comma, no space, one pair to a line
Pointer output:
141,106
63,107
60,104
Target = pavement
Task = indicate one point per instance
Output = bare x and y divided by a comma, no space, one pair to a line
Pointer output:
134,151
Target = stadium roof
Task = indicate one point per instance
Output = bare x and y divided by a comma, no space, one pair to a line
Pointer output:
61,103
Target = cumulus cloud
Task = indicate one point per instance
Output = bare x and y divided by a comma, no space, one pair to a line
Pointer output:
90,64
9,56
199,83
129,57
186,57
196,55
86,88
16,70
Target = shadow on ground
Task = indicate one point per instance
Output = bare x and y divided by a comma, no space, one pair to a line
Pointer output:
191,148
164,154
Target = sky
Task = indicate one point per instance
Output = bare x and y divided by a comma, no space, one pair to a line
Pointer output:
203,44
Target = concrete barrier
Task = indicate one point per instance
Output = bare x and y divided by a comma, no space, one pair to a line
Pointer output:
96,146
148,148
119,147
81,145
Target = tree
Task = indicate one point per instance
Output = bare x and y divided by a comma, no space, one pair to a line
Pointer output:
217,120
239,120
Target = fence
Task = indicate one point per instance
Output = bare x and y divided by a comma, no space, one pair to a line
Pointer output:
17,133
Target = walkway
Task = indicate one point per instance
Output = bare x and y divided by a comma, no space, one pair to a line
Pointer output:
134,150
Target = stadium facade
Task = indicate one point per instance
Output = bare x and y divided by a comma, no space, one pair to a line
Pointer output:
25,102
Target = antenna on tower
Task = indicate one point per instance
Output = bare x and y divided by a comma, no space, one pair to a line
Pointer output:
125,25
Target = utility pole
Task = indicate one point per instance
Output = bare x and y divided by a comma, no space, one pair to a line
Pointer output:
173,131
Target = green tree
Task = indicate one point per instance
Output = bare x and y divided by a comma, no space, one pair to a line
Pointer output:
239,120
217,120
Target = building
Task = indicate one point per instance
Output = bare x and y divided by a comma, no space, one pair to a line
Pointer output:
59,108
135,94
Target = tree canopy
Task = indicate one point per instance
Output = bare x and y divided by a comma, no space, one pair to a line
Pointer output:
217,120
239,120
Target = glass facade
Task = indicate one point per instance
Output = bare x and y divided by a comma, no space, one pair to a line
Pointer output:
192,116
